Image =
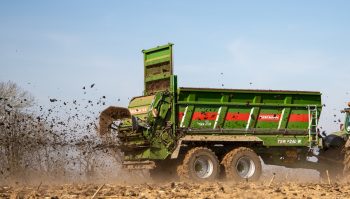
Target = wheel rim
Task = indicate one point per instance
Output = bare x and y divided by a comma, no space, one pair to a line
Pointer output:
245,167
203,167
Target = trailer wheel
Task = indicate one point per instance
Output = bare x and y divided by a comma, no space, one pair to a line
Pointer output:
199,164
242,164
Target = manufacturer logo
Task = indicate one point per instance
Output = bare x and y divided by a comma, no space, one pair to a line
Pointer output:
139,110
269,117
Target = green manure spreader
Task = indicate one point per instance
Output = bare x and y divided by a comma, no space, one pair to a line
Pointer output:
204,134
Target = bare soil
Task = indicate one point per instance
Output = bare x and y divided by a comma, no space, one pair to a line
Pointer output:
181,190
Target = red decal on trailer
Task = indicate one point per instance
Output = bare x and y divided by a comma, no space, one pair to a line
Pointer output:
299,118
245,116
237,116
204,115
269,117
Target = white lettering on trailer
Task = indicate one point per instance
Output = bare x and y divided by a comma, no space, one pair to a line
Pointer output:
205,123
269,117
288,141
141,110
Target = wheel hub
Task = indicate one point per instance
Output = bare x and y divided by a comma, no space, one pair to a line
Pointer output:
203,167
245,167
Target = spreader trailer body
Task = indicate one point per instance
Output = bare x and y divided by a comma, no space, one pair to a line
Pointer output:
201,133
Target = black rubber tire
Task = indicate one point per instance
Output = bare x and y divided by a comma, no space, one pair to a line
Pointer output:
187,170
334,173
230,163
328,160
347,159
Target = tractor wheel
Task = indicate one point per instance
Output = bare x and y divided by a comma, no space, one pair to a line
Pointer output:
200,164
242,164
347,158
334,172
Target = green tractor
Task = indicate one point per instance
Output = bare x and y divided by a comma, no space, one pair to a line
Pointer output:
334,156
202,134
345,131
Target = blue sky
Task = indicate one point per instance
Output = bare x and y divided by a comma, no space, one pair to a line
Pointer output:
53,49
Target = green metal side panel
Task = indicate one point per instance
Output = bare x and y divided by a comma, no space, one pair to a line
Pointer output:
158,68
234,111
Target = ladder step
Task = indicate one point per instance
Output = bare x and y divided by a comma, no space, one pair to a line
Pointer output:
313,123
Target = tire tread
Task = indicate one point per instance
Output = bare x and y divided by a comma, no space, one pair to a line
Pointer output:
226,162
183,170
